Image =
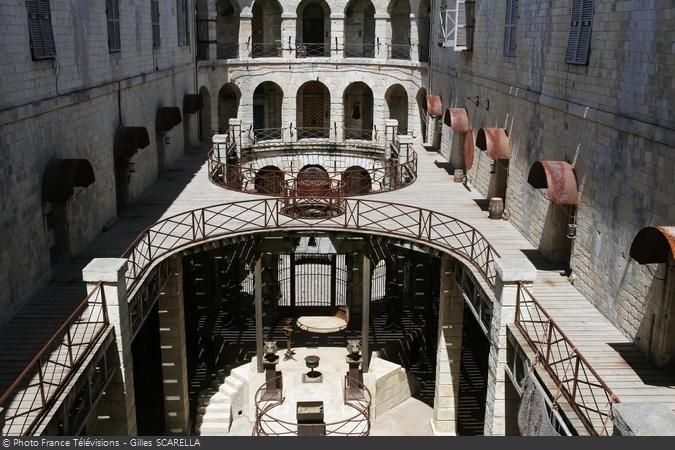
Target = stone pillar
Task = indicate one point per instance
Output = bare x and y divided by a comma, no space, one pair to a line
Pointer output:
379,116
257,290
288,117
173,348
390,131
365,311
382,35
337,31
288,36
116,411
449,353
414,39
509,272
337,116
405,147
245,35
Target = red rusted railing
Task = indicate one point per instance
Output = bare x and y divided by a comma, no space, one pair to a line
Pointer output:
357,424
587,394
241,176
33,392
391,219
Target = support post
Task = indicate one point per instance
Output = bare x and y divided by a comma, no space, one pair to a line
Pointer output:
173,348
365,312
449,353
509,272
116,411
257,282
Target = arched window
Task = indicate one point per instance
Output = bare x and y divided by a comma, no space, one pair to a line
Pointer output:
359,29
313,111
399,13
397,104
228,106
266,29
313,29
227,29
358,112
267,99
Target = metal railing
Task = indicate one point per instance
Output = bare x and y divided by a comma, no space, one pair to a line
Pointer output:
34,391
399,51
312,197
191,228
267,134
357,424
312,49
361,134
587,394
312,133
359,50
266,49
241,175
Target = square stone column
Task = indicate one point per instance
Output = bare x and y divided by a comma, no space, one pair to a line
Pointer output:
337,35
405,148
449,353
390,131
116,411
510,272
174,352
382,35
414,39
366,275
337,117
288,36
245,35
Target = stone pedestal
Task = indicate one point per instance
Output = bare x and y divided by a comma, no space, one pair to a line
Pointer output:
509,272
116,411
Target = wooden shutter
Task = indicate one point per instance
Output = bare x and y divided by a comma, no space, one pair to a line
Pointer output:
154,12
510,27
113,17
579,40
448,15
40,29
464,25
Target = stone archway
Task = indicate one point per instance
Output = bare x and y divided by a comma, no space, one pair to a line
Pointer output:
267,101
266,29
399,14
356,181
227,29
268,180
313,29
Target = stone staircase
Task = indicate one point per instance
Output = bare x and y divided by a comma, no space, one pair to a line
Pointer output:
219,406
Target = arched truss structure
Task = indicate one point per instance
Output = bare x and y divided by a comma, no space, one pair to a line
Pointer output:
213,223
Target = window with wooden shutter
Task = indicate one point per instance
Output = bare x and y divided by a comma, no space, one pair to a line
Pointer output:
182,22
510,28
154,12
464,33
579,40
40,28
457,20
448,16
113,15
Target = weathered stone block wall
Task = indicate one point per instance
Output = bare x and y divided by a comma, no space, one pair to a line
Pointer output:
70,107
612,119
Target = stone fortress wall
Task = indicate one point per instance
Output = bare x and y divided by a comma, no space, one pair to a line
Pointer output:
612,119
70,107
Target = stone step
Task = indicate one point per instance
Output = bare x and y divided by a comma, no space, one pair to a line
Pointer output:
214,429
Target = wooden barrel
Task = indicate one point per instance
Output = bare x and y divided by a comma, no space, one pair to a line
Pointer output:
459,176
496,208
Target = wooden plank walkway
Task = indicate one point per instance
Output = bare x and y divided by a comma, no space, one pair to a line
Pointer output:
186,186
